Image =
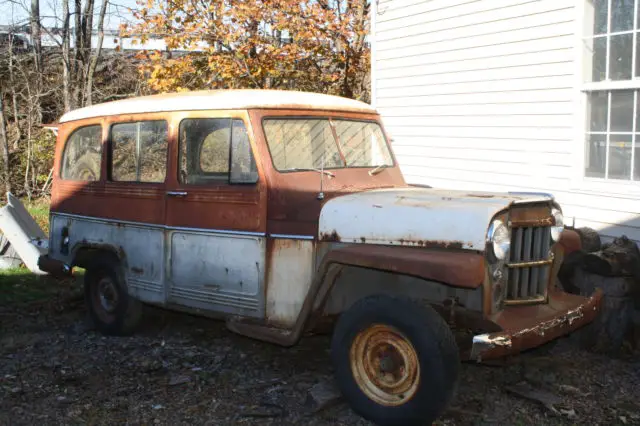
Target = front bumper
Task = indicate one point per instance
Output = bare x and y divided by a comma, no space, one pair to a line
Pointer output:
526,327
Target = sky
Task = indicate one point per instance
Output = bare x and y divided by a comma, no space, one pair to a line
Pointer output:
16,12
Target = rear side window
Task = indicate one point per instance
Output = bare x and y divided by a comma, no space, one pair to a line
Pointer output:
82,152
139,151
215,150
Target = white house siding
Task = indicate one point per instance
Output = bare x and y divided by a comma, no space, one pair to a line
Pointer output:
481,95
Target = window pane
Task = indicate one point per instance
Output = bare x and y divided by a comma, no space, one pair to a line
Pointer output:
622,111
153,151
620,57
638,113
243,164
81,159
204,150
123,152
636,159
620,157
621,15
599,59
600,19
139,151
302,144
363,144
638,52
214,152
595,160
598,103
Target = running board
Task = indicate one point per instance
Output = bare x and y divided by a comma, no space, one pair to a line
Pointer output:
262,332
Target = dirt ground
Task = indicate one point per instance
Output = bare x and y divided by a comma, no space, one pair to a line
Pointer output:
179,369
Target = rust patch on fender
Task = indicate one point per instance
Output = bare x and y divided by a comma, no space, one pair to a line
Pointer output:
431,244
570,241
332,236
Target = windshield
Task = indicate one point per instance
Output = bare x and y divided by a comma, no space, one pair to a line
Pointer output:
322,143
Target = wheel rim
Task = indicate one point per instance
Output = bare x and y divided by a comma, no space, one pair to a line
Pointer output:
106,298
385,365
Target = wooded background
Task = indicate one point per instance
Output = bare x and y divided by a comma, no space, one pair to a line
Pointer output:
310,45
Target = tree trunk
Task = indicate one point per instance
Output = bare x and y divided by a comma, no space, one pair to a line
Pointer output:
66,57
4,142
27,186
77,57
96,55
14,96
36,39
87,27
35,35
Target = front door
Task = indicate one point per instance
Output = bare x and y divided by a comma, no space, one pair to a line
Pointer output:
216,217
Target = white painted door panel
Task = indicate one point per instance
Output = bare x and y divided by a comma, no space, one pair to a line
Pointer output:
217,272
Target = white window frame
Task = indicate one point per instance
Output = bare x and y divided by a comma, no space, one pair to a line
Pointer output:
580,181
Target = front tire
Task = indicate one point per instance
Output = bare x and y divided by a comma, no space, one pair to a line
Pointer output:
111,309
396,361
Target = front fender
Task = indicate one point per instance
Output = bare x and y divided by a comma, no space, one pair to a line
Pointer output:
465,269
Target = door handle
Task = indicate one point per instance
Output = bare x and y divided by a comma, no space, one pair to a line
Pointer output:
177,193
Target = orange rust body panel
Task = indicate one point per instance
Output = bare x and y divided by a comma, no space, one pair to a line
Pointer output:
458,269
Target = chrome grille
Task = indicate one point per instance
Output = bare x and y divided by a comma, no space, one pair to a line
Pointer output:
529,264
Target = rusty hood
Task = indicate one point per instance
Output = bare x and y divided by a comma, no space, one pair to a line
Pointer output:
417,216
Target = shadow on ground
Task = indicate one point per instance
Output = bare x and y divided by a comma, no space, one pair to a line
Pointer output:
179,369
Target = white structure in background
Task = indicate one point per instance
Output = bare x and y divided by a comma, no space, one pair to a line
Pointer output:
52,37
516,95
17,225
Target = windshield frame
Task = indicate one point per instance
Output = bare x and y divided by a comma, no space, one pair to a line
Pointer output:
330,119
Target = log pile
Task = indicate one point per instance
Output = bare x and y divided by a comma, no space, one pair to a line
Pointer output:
615,268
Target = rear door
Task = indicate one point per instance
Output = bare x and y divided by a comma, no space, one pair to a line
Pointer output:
216,217
132,205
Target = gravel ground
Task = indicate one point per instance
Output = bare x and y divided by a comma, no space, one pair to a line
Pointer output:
179,369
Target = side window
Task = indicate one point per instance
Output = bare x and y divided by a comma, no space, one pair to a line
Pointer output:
82,152
139,151
215,150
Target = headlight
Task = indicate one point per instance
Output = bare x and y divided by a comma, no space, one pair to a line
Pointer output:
500,239
557,229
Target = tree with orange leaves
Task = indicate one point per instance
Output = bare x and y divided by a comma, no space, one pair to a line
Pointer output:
313,45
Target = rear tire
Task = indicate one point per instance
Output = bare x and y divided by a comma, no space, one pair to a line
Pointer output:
111,309
396,361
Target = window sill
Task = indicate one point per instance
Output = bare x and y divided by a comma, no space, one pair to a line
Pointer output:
611,85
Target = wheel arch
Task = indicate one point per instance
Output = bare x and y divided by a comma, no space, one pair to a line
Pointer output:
84,252
456,272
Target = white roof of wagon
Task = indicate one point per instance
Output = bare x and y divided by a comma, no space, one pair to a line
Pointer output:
219,99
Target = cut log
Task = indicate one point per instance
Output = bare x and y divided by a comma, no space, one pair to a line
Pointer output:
590,239
614,325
